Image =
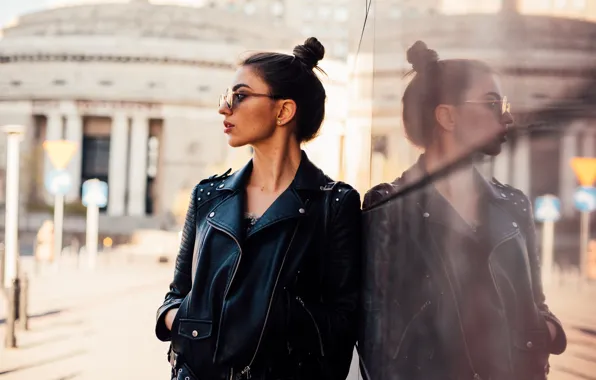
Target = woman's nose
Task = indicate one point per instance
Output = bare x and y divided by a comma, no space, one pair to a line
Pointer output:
507,118
223,108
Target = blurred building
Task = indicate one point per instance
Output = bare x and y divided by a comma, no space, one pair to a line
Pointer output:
542,59
136,86
325,19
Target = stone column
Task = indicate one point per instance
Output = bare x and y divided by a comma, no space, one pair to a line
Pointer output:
501,164
137,171
118,165
567,179
521,164
74,133
588,144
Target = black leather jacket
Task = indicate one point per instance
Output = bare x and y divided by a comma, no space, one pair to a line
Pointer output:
413,323
277,302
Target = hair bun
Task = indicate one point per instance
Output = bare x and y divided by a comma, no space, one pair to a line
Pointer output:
419,55
311,52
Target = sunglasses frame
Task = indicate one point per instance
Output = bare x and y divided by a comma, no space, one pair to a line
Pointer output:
505,105
228,97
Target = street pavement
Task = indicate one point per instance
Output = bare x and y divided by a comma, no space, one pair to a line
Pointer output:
99,325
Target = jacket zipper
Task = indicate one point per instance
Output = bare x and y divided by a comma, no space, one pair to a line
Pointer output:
246,370
422,308
315,323
492,275
461,325
233,272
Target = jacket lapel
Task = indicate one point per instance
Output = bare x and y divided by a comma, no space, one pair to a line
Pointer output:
228,215
288,205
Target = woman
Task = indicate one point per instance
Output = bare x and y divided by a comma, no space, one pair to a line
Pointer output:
452,284
266,280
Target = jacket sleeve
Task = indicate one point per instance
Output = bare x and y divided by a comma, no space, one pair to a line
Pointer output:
182,282
559,345
383,312
336,314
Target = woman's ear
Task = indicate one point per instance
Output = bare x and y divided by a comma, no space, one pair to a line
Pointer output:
287,111
446,116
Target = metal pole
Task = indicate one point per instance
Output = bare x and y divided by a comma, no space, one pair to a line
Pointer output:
12,208
58,222
24,303
10,339
548,239
583,247
92,234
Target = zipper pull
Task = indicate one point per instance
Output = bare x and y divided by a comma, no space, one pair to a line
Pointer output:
246,372
300,300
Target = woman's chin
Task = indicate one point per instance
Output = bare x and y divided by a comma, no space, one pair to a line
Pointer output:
235,142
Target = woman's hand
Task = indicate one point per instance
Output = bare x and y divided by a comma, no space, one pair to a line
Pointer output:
171,315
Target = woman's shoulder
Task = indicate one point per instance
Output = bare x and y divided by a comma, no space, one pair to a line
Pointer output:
206,189
342,194
380,193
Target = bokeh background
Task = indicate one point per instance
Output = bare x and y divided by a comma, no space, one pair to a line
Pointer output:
134,85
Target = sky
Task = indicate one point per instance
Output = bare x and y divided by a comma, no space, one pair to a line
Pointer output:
11,9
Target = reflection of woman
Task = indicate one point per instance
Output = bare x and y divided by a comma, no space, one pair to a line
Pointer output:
266,280
452,280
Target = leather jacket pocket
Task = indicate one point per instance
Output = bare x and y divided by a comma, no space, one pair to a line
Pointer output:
531,353
194,329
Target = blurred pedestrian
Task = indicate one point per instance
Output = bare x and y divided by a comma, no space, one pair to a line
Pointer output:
452,283
266,279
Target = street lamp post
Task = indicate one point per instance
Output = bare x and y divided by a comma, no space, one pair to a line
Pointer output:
13,139
11,228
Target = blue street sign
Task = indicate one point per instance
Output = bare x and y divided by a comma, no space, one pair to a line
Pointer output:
585,198
547,208
95,193
58,182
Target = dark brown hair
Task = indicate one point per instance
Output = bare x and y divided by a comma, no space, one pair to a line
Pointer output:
435,82
293,77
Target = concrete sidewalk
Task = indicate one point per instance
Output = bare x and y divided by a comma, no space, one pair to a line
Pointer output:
99,325
92,325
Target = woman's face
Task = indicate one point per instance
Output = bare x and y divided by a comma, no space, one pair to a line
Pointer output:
249,110
483,116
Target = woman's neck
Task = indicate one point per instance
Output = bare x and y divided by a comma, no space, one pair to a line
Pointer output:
459,183
275,165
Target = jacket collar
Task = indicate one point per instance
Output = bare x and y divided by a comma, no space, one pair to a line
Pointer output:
436,209
308,177
418,172
228,215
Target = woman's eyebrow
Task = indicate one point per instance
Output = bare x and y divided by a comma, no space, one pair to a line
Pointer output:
494,94
239,86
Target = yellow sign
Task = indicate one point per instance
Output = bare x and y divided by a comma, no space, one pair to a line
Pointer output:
585,170
60,152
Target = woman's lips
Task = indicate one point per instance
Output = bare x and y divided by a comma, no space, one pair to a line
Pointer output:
228,127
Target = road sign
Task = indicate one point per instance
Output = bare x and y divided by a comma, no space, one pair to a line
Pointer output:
585,199
585,170
58,182
547,208
60,152
95,193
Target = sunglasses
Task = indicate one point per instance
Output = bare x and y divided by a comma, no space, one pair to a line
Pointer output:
499,107
230,97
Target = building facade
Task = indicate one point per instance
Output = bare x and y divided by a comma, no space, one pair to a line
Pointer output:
136,85
542,60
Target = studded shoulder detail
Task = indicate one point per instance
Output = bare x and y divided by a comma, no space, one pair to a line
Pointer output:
379,193
519,201
216,177
206,189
